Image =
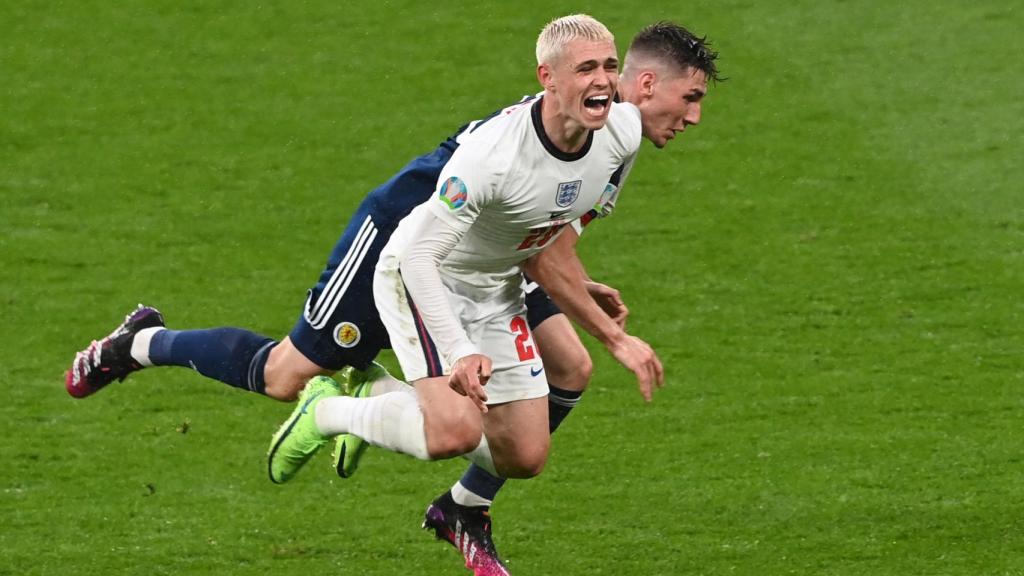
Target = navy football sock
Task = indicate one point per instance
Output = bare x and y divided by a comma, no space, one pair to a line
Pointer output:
560,403
481,482
486,485
232,355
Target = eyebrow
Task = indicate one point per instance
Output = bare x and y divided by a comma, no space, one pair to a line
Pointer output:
592,62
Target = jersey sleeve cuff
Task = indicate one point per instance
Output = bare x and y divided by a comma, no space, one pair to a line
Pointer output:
461,351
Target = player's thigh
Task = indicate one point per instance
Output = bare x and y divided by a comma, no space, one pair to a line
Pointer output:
452,422
517,433
566,360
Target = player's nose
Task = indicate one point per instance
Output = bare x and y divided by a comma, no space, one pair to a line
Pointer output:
693,114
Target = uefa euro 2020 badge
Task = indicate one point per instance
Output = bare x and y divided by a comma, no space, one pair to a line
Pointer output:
568,192
453,193
347,334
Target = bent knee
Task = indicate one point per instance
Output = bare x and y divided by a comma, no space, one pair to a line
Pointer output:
526,460
452,434
452,442
571,373
584,370
527,463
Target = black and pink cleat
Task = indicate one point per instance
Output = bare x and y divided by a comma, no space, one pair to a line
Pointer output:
467,528
109,359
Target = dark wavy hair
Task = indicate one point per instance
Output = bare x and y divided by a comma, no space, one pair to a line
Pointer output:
672,43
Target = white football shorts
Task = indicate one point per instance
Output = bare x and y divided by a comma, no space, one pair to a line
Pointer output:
497,328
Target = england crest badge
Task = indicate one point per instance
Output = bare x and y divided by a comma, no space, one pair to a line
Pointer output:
568,192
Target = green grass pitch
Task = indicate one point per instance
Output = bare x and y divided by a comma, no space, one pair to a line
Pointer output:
831,266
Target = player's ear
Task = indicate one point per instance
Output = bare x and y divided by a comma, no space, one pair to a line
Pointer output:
544,77
647,79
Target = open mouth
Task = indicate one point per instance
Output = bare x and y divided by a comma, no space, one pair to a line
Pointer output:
597,105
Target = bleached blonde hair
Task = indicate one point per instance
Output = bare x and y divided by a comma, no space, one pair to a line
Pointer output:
560,31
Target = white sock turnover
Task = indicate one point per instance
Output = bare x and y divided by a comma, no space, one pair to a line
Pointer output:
465,497
140,345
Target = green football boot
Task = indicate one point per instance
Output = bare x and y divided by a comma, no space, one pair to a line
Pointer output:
349,448
298,438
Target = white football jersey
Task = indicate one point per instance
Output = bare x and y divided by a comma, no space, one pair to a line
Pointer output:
504,195
511,191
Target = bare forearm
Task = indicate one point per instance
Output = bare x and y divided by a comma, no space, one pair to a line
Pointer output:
561,273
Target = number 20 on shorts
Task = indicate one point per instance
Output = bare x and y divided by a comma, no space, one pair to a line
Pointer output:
523,345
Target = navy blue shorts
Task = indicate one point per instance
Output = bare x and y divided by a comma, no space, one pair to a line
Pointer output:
539,306
339,325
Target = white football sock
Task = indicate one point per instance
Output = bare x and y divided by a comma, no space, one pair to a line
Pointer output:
481,456
140,345
388,384
393,420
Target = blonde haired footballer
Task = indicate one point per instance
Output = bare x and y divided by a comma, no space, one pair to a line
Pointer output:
448,283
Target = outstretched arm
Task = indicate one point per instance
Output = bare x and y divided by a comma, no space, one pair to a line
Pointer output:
559,271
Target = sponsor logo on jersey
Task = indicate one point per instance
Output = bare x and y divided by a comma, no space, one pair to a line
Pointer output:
347,334
568,192
453,193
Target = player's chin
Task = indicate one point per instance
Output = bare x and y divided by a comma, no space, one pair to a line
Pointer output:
658,141
593,122
662,141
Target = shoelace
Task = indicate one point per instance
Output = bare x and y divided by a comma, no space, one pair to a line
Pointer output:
88,359
96,347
